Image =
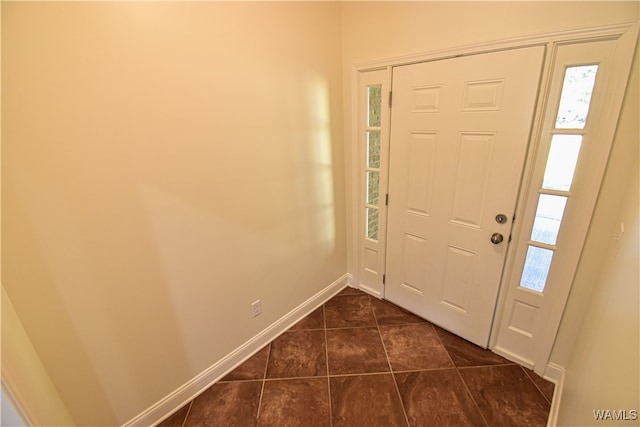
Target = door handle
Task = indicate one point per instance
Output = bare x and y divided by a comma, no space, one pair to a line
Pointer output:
496,238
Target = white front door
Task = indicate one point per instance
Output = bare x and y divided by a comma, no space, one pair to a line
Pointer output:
459,134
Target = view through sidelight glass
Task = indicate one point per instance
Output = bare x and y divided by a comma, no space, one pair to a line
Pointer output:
372,167
576,97
561,162
562,159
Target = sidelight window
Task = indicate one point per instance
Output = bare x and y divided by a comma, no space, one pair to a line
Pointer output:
562,160
372,167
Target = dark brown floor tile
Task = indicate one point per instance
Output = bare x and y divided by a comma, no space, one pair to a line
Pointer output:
178,417
437,398
506,396
349,291
349,311
298,402
298,354
389,314
226,404
355,351
464,353
414,347
253,368
546,387
315,320
365,400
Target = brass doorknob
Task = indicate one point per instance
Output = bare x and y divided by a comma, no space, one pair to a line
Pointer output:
496,238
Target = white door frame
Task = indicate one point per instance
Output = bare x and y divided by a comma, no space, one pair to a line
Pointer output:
627,33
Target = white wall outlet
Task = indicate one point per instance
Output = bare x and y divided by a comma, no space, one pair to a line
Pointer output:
256,308
618,237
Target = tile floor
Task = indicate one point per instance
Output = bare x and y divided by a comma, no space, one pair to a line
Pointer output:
358,361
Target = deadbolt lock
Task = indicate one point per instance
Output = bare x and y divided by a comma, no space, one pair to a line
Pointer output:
501,218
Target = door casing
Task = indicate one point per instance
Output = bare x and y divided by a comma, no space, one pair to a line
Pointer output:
627,33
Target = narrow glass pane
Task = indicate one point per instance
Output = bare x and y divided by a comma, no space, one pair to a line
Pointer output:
576,96
561,163
548,218
373,188
374,96
536,268
373,149
372,223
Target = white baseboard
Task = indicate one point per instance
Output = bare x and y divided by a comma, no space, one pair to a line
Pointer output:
14,412
187,392
350,280
555,373
371,291
513,357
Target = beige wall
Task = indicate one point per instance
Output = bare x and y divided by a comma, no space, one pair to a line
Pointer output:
26,376
163,166
604,224
603,370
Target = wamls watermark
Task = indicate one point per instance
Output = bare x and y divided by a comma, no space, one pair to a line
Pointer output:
615,415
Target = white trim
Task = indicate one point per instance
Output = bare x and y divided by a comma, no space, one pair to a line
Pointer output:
373,292
604,132
558,373
581,34
19,411
627,32
513,357
350,281
554,373
166,406
369,279
355,181
578,215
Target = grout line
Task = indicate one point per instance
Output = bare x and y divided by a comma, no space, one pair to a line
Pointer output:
306,377
326,352
435,331
473,399
487,366
403,324
361,374
264,378
242,381
384,347
351,327
410,371
266,365
393,375
526,372
456,367
260,402
184,422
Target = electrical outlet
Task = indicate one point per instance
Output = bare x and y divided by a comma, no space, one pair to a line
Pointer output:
618,237
256,308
